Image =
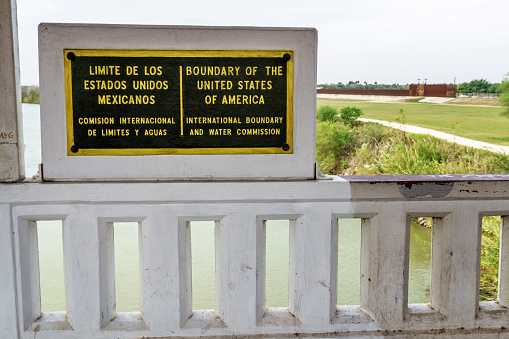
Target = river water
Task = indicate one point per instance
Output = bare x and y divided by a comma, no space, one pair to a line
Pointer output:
202,248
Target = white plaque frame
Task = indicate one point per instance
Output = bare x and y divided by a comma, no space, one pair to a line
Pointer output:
58,166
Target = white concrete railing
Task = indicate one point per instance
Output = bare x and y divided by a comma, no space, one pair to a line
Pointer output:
163,210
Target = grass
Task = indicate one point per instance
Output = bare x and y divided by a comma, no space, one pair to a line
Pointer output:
374,149
489,258
472,122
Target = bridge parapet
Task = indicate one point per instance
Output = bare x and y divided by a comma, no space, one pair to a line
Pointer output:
163,210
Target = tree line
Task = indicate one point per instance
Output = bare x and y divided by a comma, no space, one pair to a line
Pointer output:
358,85
479,86
484,86
474,86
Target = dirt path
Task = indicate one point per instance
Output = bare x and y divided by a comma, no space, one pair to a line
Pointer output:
485,102
445,136
461,101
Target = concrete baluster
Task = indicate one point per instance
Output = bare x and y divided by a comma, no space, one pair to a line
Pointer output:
8,324
384,266
236,270
503,269
81,270
12,166
163,273
312,270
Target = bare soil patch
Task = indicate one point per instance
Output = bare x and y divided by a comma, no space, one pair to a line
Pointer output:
474,101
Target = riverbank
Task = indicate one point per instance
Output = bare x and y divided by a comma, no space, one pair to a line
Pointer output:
458,101
371,149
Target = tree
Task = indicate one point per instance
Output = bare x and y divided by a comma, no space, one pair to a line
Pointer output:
349,115
475,86
494,88
327,113
504,95
480,85
464,87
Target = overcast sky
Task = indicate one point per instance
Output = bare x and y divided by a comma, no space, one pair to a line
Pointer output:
387,41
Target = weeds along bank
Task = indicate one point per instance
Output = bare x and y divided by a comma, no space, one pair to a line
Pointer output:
369,149
490,245
348,147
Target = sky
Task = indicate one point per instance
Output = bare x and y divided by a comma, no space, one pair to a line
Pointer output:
387,41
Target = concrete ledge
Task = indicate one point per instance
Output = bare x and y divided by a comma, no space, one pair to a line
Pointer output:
358,188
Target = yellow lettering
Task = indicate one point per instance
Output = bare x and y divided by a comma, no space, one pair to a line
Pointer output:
153,70
104,70
273,70
115,132
155,132
243,99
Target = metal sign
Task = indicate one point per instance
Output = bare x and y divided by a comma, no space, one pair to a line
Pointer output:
150,102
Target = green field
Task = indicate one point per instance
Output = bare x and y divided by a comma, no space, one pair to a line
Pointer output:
472,122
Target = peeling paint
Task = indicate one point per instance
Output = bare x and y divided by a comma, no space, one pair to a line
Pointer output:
413,189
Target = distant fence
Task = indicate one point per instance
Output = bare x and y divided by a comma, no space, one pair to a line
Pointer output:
386,92
435,90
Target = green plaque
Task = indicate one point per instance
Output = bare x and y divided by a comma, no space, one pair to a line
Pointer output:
149,102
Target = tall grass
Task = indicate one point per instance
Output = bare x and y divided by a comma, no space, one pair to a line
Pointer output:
429,155
489,258
373,149
333,142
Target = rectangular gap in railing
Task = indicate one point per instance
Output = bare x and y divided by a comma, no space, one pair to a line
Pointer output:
276,262
51,265
43,267
276,274
430,239
419,273
120,270
127,266
494,266
490,270
351,268
348,259
203,267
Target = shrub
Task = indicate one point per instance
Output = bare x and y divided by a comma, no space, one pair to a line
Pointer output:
349,115
327,113
333,142
504,96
